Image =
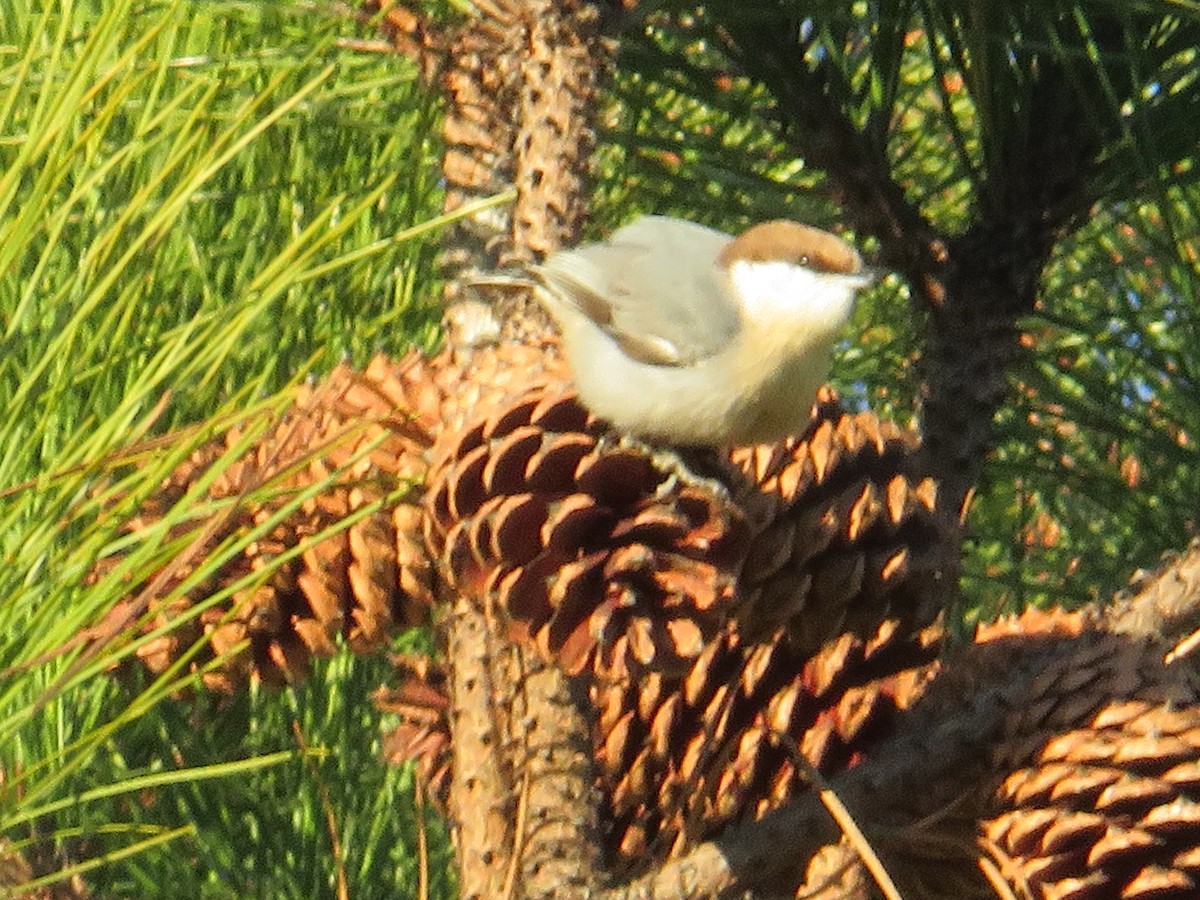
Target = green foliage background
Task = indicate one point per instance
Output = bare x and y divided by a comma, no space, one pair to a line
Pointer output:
207,201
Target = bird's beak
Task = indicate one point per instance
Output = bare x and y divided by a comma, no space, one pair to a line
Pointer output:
872,275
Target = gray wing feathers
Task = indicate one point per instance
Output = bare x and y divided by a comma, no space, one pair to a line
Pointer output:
659,310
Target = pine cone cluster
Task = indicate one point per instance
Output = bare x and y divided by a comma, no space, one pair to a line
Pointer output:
1084,782
728,638
685,611
594,550
341,474
686,606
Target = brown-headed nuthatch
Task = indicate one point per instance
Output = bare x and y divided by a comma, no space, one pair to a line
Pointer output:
678,333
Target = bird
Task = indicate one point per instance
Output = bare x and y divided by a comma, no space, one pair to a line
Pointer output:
680,334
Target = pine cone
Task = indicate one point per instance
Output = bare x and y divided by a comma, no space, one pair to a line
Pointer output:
1070,753
422,735
1102,793
594,554
446,391
357,581
850,537
1109,809
681,757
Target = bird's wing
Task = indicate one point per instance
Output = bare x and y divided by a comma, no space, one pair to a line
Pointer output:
644,288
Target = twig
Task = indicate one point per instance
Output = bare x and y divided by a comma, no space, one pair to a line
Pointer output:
842,816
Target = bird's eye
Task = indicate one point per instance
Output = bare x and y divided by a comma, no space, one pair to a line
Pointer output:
804,260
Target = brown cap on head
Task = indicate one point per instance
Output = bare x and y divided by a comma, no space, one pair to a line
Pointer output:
792,242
